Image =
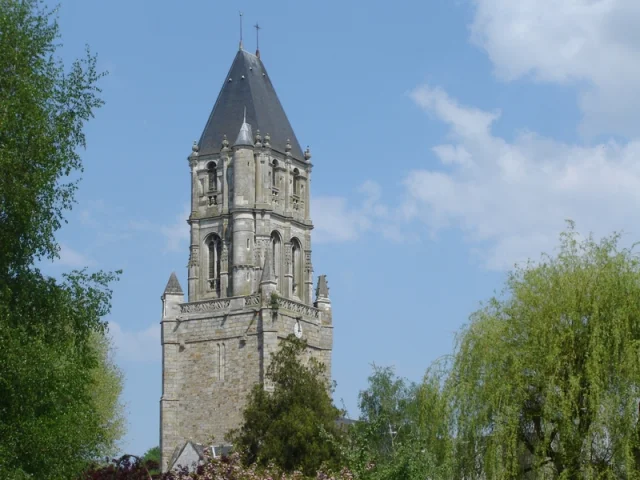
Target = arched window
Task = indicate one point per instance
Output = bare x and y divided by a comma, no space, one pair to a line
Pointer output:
212,173
215,252
274,166
276,255
296,268
296,181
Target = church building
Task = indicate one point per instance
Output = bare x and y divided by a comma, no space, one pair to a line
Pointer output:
250,274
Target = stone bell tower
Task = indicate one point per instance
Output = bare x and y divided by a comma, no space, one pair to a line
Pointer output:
250,276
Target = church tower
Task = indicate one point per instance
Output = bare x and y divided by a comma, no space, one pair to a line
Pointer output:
250,276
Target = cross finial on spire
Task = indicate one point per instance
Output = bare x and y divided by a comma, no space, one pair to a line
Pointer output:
257,27
240,30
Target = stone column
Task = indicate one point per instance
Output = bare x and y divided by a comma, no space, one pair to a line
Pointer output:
268,338
288,272
194,260
287,187
307,199
224,261
225,160
308,278
169,402
193,163
260,167
193,224
243,227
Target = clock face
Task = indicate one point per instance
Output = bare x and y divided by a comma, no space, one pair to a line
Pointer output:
297,329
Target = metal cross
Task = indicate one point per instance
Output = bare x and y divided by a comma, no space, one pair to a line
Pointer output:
257,27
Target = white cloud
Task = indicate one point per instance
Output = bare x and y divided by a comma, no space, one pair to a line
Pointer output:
72,258
177,234
136,346
511,198
594,44
335,219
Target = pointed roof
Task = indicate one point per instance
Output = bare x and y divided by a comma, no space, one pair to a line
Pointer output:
245,137
173,285
322,290
248,85
267,270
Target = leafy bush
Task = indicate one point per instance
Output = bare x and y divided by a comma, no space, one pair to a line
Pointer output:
130,467
127,467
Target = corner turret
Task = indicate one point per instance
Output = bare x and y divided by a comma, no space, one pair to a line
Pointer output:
243,224
172,297
322,297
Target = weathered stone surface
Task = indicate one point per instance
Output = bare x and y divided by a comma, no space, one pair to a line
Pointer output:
249,205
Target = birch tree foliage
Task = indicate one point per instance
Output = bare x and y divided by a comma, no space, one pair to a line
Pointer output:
545,381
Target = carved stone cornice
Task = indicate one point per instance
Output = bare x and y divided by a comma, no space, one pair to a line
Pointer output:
205,306
297,307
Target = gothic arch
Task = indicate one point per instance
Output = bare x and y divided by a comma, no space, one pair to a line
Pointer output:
212,175
276,257
273,171
297,286
214,263
296,182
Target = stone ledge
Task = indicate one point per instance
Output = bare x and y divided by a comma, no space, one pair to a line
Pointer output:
220,304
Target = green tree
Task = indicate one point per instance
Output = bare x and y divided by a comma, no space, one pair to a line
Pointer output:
153,454
51,420
293,423
385,411
42,112
58,388
106,387
151,459
546,379
402,430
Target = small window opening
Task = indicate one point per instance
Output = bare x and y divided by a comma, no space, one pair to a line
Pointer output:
212,173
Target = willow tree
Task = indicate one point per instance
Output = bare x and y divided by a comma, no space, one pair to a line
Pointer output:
546,379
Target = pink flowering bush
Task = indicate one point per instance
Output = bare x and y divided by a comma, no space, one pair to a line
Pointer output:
231,468
225,468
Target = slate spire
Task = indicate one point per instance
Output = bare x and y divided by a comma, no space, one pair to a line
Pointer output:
173,285
247,85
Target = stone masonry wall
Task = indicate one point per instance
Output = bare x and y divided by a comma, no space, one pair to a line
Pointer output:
211,361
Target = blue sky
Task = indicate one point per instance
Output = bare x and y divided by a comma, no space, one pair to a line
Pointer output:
450,140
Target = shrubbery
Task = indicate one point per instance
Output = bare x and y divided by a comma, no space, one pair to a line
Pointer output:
225,468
